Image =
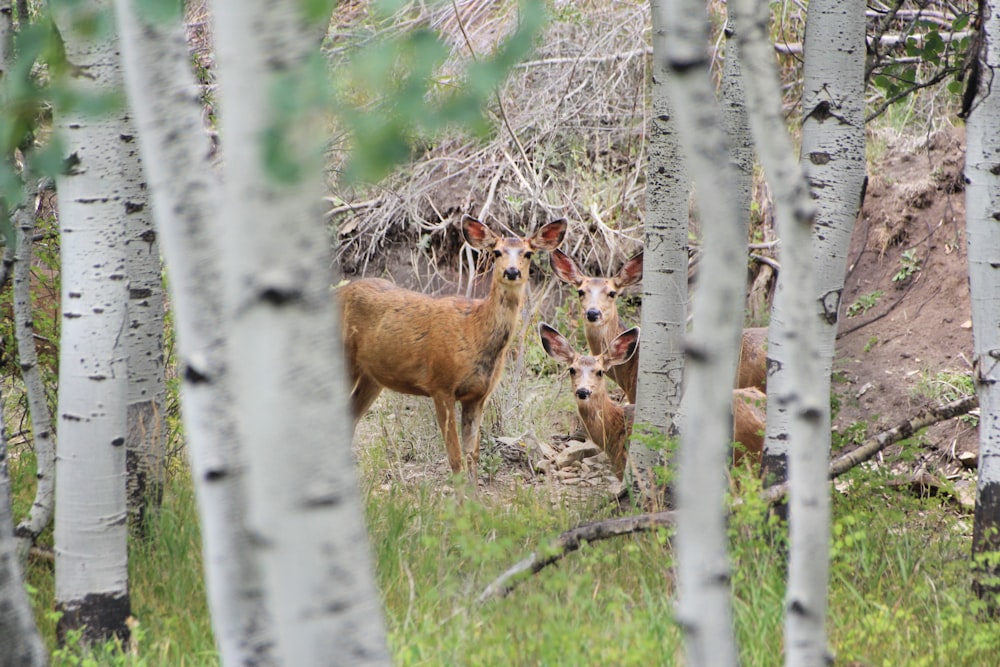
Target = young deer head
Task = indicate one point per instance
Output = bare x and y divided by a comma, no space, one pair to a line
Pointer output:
605,420
600,310
451,349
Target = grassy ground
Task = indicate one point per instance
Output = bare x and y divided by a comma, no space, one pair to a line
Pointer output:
899,592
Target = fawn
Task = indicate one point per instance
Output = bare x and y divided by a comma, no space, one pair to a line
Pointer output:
607,422
451,348
602,324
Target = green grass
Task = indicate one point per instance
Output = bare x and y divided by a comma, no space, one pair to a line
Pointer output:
899,593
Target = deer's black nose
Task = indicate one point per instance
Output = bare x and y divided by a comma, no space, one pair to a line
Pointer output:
512,273
593,315
583,393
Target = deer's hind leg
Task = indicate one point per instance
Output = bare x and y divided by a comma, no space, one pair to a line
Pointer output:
363,393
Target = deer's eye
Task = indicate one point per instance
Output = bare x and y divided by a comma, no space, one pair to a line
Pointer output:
497,253
572,371
600,374
528,255
612,294
579,293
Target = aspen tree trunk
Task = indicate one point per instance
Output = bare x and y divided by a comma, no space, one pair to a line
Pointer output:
144,444
736,123
289,378
186,196
41,419
91,587
704,609
19,637
803,398
664,280
833,155
982,197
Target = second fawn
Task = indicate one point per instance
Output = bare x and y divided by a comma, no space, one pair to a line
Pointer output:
607,422
451,349
600,310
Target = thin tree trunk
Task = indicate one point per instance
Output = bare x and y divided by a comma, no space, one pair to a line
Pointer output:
19,637
736,122
801,397
289,378
704,610
664,280
41,419
982,196
144,444
91,588
186,195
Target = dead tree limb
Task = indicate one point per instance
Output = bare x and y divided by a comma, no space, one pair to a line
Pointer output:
570,540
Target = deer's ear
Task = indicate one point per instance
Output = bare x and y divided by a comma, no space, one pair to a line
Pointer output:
622,347
630,273
477,234
549,236
555,344
565,268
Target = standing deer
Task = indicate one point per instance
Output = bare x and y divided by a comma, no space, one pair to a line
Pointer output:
451,348
607,422
602,324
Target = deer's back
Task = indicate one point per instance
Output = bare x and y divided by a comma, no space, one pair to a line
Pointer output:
414,343
752,371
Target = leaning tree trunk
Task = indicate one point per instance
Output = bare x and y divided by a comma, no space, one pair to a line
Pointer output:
144,444
664,280
91,588
982,197
43,506
704,609
289,378
19,637
185,193
799,394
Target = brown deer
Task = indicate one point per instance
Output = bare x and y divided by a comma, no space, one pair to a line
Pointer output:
601,325
607,422
600,310
451,348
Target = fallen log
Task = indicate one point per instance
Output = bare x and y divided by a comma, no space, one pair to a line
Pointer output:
570,540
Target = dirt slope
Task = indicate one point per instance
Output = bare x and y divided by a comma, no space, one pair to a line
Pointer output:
919,328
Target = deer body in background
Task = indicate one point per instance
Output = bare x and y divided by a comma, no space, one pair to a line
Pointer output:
600,311
607,422
451,349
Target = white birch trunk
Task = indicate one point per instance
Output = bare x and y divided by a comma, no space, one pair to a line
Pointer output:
19,637
41,419
664,281
704,609
91,586
289,379
186,197
803,398
144,443
736,123
982,197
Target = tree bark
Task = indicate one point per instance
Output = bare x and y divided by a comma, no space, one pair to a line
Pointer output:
19,637
91,587
304,506
186,197
982,197
144,443
664,280
43,506
704,609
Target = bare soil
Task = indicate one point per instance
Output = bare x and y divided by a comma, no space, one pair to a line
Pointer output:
919,331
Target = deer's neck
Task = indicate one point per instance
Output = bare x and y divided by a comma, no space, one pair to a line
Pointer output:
600,334
604,419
